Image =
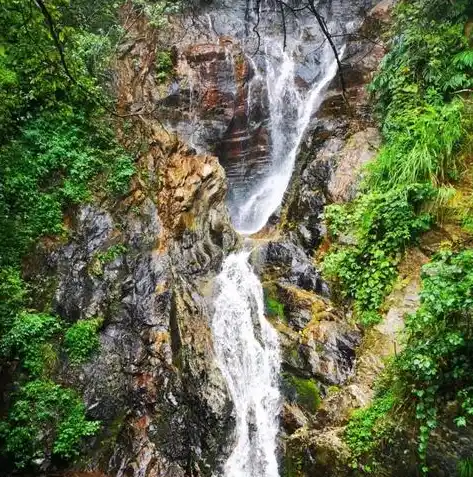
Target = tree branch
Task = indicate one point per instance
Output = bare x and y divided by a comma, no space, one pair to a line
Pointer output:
323,26
52,29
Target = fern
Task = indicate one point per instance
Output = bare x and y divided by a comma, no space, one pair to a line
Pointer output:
464,59
465,468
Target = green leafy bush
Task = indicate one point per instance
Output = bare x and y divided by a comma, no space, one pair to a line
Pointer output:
437,361
421,146
81,340
57,161
45,417
367,430
434,367
164,65
423,121
27,340
381,224
12,296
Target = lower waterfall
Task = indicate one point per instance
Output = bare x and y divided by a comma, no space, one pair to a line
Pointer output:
247,350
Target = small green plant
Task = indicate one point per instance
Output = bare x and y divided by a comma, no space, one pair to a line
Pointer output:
366,431
12,296
465,468
274,307
164,66
45,417
111,254
81,340
27,340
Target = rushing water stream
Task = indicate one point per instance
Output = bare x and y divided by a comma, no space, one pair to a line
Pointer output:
246,345
250,362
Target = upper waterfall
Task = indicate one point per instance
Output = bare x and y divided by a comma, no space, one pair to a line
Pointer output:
292,68
290,113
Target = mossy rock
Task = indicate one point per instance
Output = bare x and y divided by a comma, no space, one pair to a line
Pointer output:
303,392
273,306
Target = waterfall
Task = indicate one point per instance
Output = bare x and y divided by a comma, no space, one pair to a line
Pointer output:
290,113
246,345
249,361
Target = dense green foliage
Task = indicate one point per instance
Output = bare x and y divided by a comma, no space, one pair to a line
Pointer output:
57,150
57,147
422,93
81,340
45,415
425,126
434,367
28,340
436,364
274,307
383,223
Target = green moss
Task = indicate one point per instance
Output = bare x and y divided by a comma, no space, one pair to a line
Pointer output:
274,308
465,467
304,392
293,462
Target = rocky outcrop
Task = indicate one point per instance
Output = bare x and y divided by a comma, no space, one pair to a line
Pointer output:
344,138
211,106
145,264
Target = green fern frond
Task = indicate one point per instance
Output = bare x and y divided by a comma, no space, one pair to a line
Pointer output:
464,59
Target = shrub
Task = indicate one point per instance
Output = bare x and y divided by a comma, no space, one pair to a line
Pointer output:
366,431
274,307
45,418
164,65
436,363
382,225
27,340
12,296
81,340
435,366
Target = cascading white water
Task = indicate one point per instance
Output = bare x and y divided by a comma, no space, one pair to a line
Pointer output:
250,364
246,345
290,112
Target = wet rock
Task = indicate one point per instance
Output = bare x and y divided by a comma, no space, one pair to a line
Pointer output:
329,349
343,138
289,263
146,265
347,164
293,418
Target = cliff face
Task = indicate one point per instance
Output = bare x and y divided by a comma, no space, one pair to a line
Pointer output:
146,265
